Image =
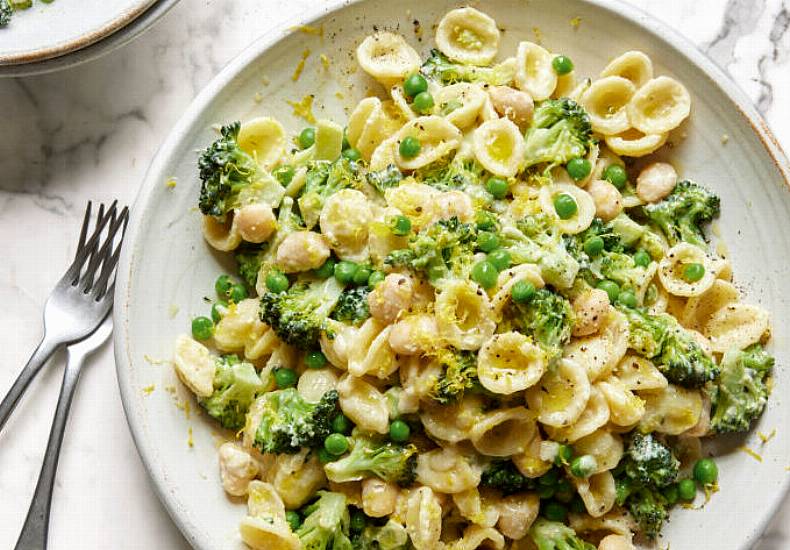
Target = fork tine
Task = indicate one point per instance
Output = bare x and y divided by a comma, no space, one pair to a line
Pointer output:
104,256
97,254
108,266
89,249
84,231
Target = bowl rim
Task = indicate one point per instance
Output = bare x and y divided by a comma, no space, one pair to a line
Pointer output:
679,43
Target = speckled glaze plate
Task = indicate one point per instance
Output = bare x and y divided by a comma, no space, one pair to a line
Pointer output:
66,32
166,268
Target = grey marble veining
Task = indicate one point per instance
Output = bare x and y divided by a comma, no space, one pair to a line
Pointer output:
89,133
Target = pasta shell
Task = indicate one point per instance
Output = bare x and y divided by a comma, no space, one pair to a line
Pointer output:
670,270
633,143
605,101
633,65
194,366
659,106
585,207
561,396
437,138
534,72
387,57
264,139
508,363
468,36
499,147
737,326
504,432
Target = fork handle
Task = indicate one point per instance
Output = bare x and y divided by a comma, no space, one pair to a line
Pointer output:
43,352
36,528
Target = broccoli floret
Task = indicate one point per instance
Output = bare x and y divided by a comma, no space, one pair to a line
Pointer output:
373,457
438,67
236,384
504,476
326,523
442,249
677,355
450,175
740,396
680,215
385,179
288,422
547,317
560,131
299,314
231,177
649,508
553,535
352,305
248,264
324,179
5,13
650,462
459,375
390,536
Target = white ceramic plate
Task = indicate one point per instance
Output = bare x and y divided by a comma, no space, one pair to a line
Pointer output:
166,267
48,31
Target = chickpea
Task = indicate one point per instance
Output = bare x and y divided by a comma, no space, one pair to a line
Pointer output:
454,204
590,309
255,222
615,542
656,181
413,335
513,104
302,251
237,468
390,297
379,497
607,199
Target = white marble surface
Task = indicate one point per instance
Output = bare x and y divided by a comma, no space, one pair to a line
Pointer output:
89,133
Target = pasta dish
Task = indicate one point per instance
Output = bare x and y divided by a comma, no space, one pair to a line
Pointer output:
476,314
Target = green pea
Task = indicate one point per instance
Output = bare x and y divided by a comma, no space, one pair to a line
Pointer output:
237,293
285,378
687,489
546,492
362,275
399,431
583,466
410,147
564,492
564,455
218,310
336,444
326,270
706,472
345,144
277,281
578,169
497,187
522,291
307,137
358,521
487,241
202,328
485,220
693,272
400,226
284,174
577,505
615,174
485,274
500,258
611,288
345,271
562,64
222,285
642,258
415,84
341,424
565,206
593,245
293,519
627,298
671,494
423,102
550,478
351,154
554,511
315,360
375,278
323,456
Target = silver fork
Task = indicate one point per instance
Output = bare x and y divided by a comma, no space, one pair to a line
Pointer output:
82,297
36,529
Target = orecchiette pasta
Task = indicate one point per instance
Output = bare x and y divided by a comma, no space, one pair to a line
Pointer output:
237,469
633,143
263,138
314,383
595,414
424,518
194,366
463,315
475,537
468,36
368,126
447,470
736,326
222,234
503,432
344,220
499,147
625,408
534,73
605,446
460,103
517,513
297,477
598,493
241,329
387,57
637,374
605,101
477,509
699,309
363,404
585,207
414,200
672,410
453,422
632,65
671,270
659,106
561,395
508,363
437,137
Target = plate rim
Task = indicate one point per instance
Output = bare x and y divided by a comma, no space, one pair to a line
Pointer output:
657,28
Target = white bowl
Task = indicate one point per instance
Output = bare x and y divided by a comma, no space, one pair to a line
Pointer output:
166,268
77,31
